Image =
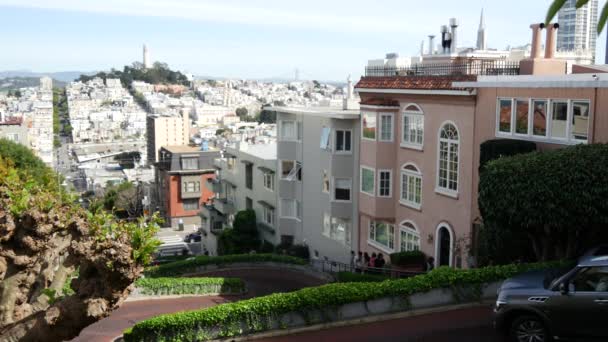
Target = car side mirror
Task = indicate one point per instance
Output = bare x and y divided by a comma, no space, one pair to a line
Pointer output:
563,288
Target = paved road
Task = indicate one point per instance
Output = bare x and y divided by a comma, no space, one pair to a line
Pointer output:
259,283
467,325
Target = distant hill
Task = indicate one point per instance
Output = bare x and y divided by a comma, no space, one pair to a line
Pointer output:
9,83
63,76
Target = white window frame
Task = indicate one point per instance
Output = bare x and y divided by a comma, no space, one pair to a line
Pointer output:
407,230
379,127
373,191
268,210
297,127
390,182
269,179
418,114
192,200
439,189
375,114
410,174
547,138
529,121
511,128
325,138
333,186
374,243
296,208
335,136
293,175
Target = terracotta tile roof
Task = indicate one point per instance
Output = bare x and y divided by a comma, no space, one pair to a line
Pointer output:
380,102
12,121
413,82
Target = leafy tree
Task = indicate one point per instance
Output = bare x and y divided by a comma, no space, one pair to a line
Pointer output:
27,163
316,84
220,131
267,116
558,4
46,237
241,112
243,237
556,200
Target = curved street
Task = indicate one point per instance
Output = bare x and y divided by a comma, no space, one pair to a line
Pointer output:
259,282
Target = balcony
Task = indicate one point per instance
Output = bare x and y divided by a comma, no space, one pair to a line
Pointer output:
470,67
214,185
220,163
224,206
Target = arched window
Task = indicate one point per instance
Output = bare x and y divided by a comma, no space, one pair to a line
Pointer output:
413,127
444,245
447,175
409,237
411,186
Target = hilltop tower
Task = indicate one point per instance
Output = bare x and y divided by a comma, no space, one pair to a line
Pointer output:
147,63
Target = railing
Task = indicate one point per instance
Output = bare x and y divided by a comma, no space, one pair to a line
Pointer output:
335,267
476,67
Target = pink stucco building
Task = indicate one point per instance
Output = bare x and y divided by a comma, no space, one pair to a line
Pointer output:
421,130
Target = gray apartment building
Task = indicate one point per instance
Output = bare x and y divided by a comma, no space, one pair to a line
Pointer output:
318,179
245,179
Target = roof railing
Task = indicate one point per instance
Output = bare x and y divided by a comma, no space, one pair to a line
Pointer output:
474,67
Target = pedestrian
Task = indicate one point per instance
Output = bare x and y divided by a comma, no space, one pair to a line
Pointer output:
430,264
372,260
366,260
380,261
353,260
359,261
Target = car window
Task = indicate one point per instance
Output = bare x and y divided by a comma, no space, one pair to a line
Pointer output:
591,279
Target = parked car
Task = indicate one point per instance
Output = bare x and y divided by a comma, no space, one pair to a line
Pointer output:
555,304
173,249
193,237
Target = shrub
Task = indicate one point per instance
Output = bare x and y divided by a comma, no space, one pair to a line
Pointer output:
177,286
299,251
497,148
243,238
350,277
555,199
266,247
226,319
190,265
408,258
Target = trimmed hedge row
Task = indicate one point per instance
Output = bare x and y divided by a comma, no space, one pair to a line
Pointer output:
225,320
185,266
179,286
408,258
350,277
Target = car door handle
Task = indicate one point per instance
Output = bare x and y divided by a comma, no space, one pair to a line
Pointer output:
601,301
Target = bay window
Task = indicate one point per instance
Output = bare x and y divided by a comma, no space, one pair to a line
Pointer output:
382,234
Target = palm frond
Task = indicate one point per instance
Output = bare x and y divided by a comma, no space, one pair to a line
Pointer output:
553,9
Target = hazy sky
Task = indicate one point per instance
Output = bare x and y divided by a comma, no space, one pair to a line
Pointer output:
325,40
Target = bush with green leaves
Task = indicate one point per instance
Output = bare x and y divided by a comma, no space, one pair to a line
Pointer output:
408,258
180,286
190,265
258,313
556,200
243,237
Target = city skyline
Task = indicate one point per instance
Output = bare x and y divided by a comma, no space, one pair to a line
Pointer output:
240,40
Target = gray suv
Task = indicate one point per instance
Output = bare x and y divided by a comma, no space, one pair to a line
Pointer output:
540,306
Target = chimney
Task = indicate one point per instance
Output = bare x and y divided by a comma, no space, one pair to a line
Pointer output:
550,41
536,37
454,26
444,38
432,41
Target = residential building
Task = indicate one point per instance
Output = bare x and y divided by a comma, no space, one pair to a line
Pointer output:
172,130
13,129
181,174
318,178
246,179
421,135
577,27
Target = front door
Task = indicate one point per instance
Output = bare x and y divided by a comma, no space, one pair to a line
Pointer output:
445,243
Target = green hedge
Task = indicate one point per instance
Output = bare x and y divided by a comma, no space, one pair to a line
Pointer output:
350,277
257,313
408,258
179,286
187,266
